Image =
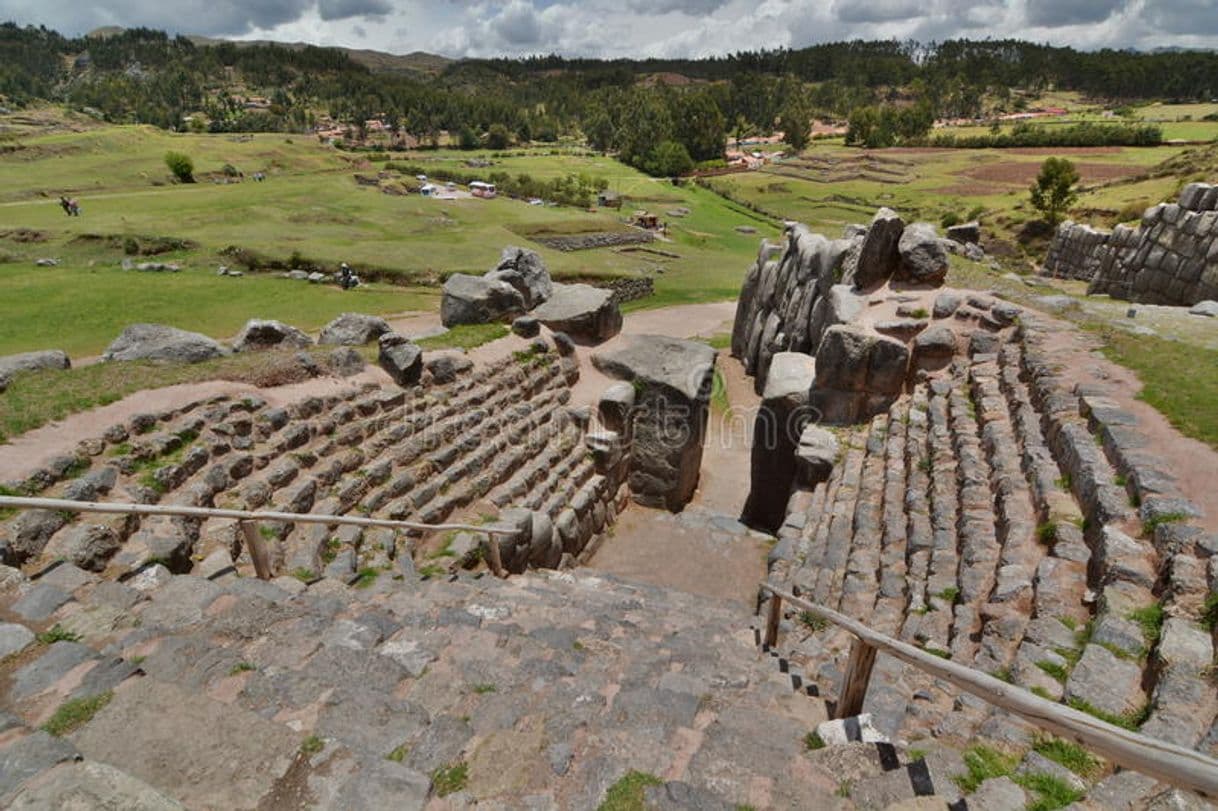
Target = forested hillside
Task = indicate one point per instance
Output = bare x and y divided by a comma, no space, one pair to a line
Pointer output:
663,116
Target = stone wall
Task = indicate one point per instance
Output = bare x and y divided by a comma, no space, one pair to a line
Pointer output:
797,291
662,412
629,288
1170,258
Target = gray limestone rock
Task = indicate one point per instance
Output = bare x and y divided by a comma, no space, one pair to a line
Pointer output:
879,257
353,329
90,785
470,299
526,272
158,342
582,311
33,362
402,359
923,259
259,334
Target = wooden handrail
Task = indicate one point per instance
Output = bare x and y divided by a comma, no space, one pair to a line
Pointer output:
121,508
1175,765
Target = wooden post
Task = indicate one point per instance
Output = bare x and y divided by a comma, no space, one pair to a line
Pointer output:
258,553
858,674
772,620
492,556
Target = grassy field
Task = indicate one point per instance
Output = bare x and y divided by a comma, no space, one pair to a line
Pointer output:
311,209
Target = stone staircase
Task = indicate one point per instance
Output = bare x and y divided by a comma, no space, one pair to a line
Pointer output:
999,518
539,691
462,447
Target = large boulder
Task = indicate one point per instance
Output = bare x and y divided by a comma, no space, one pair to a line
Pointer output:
672,379
776,432
33,362
582,311
478,300
158,342
858,374
841,306
879,257
259,334
923,257
966,233
402,359
353,329
526,272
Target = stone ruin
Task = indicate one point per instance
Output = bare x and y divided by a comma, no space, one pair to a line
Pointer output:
521,284
981,507
1171,257
984,509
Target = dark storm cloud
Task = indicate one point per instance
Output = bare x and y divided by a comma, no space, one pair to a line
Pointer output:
343,9
213,18
1053,13
877,11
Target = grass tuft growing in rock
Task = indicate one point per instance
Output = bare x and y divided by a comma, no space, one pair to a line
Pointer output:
1051,792
75,713
983,763
1068,754
813,741
1131,720
57,634
311,746
450,779
1150,619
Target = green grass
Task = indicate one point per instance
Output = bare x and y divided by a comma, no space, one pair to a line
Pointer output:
1209,611
431,570
719,401
365,577
1150,620
57,634
304,575
1149,526
1046,533
1131,720
483,689
465,336
75,713
450,779
241,667
627,793
1058,672
1163,366
1051,792
1068,754
36,398
812,621
311,745
949,594
399,753
983,763
813,741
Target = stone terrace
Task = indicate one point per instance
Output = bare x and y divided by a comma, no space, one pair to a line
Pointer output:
1001,518
472,442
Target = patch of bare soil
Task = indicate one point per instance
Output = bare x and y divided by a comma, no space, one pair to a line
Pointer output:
1023,173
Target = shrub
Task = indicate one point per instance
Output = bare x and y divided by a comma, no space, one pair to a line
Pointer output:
1055,189
181,165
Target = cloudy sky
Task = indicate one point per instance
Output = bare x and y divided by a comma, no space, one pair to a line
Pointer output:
610,28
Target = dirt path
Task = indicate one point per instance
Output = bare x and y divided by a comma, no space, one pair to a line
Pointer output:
705,549
1194,464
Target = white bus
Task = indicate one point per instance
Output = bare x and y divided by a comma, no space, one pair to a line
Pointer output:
480,189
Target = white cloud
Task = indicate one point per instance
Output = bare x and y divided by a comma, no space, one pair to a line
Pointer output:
661,28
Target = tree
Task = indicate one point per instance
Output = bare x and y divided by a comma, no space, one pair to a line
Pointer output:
1055,189
698,124
796,124
498,137
468,139
181,165
668,159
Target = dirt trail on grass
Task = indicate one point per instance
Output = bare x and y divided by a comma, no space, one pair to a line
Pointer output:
1193,463
26,453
